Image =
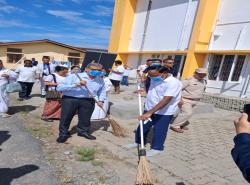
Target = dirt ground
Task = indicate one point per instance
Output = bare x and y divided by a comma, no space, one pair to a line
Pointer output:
113,164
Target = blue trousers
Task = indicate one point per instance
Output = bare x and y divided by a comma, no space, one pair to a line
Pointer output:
124,80
161,124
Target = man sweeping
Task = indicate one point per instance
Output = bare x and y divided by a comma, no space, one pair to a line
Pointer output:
76,98
161,104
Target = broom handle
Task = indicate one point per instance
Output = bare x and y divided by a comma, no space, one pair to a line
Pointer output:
91,94
141,122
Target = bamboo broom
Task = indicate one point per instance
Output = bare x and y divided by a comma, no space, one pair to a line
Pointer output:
144,176
117,129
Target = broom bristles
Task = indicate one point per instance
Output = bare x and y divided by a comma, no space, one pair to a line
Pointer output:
118,130
144,176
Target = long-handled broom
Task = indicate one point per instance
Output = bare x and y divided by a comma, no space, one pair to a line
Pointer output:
117,129
144,176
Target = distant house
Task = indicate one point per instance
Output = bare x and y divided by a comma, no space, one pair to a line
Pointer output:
12,52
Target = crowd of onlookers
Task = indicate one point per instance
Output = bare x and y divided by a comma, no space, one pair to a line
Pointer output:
169,101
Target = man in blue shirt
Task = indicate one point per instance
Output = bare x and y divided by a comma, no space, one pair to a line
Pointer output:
241,150
76,98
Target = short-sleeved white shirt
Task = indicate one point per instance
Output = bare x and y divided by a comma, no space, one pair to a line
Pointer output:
27,74
115,76
59,80
157,90
141,68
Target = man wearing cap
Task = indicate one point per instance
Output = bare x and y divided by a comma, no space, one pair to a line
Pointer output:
192,90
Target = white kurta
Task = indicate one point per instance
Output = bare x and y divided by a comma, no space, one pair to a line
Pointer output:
98,112
4,97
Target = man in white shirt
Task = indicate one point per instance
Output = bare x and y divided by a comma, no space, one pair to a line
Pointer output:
116,75
161,104
142,67
46,68
26,77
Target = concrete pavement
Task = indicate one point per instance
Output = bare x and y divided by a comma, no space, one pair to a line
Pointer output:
22,161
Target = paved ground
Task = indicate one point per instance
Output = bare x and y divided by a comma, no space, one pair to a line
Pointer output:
199,156
22,161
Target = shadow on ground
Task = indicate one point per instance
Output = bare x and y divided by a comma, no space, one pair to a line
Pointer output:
95,125
35,95
7,175
180,183
21,108
4,136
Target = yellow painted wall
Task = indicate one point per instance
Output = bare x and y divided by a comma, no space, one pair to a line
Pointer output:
38,50
201,35
122,25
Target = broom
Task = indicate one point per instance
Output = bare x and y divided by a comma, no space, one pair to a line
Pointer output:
144,176
117,129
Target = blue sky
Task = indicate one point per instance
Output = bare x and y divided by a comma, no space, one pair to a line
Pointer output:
84,23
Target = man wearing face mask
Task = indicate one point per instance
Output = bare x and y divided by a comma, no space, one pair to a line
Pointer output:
161,104
77,99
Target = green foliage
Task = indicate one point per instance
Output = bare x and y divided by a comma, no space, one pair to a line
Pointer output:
86,154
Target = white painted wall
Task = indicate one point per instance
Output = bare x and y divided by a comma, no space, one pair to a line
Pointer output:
169,27
232,30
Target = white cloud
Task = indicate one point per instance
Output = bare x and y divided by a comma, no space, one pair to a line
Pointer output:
73,17
5,8
100,10
12,23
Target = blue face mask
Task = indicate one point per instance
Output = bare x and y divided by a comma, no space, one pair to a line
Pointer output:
157,79
104,73
95,73
155,64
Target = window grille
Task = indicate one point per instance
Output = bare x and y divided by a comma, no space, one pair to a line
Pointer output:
214,66
238,68
226,67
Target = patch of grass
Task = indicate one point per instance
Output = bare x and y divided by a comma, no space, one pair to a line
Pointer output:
42,132
86,154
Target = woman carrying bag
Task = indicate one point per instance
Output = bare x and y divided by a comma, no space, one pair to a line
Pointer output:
6,77
52,106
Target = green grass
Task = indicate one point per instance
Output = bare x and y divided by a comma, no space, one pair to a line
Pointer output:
43,132
86,154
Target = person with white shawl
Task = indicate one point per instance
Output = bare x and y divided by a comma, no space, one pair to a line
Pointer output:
6,76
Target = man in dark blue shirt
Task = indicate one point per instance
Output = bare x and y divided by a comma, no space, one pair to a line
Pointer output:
241,150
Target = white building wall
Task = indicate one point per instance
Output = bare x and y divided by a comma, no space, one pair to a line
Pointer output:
232,30
169,26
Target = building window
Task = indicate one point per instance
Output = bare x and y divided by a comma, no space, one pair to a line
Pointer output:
214,66
225,68
74,58
14,55
238,68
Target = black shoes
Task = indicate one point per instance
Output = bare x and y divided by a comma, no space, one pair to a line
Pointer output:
62,139
87,135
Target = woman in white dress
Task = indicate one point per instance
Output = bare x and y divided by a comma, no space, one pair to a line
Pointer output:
6,76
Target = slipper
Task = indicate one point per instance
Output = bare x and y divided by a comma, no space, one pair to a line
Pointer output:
47,120
5,115
178,130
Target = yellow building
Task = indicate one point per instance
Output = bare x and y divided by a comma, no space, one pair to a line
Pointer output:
197,33
12,52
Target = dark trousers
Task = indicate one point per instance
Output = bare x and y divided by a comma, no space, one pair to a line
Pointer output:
26,89
124,80
70,105
161,124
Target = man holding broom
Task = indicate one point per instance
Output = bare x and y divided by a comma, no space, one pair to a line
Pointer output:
161,104
76,98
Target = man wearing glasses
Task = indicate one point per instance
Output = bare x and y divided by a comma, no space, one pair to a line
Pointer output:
76,99
169,63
